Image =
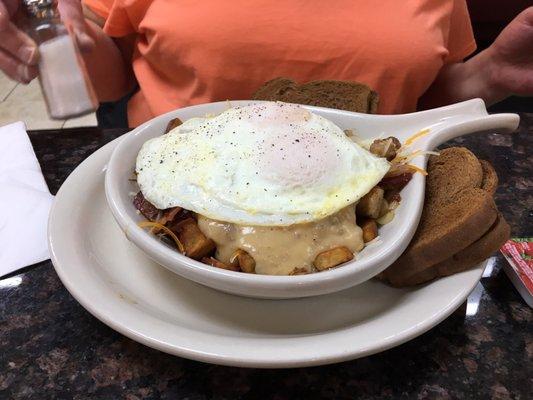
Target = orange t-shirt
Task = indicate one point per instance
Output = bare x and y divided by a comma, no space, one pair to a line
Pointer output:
196,51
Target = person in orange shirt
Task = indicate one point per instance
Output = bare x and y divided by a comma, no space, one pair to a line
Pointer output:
179,53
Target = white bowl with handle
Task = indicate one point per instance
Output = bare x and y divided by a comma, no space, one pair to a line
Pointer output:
444,123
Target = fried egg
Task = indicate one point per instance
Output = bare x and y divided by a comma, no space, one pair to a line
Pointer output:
270,163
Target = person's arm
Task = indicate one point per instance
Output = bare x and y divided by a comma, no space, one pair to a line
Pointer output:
504,69
109,61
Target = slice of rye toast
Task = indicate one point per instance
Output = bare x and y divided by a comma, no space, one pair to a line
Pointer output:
490,178
454,215
342,95
454,170
467,258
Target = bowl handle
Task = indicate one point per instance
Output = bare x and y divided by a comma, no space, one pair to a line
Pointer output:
463,119
465,125
444,123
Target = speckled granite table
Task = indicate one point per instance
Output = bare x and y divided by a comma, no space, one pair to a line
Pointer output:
51,348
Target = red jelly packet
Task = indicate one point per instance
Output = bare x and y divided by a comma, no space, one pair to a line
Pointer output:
519,254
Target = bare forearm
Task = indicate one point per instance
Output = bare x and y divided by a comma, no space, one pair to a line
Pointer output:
108,68
463,81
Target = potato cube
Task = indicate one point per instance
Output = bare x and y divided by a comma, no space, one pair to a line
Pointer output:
299,271
173,123
219,264
384,209
385,147
332,257
370,203
246,262
370,229
385,219
196,244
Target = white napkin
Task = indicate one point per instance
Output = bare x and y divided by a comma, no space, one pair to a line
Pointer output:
24,202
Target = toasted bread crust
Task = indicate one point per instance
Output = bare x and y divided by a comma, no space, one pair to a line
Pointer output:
449,230
343,95
489,182
457,212
454,170
467,258
478,251
460,225
275,89
423,276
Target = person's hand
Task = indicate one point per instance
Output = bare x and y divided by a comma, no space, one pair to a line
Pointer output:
511,56
18,52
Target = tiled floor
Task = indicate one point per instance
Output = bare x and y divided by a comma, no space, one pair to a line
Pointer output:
25,103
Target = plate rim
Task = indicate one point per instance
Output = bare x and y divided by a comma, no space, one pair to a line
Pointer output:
291,361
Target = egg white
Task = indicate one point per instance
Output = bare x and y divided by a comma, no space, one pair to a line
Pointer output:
266,164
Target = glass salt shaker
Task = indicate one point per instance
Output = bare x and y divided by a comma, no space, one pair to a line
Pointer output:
67,90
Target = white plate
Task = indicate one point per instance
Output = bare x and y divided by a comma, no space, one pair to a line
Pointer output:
444,123
123,288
